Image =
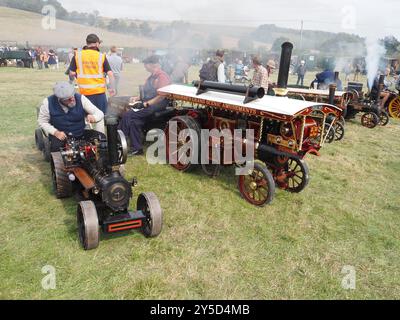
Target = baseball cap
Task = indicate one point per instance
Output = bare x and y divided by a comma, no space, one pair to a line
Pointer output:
152,60
92,38
64,90
271,64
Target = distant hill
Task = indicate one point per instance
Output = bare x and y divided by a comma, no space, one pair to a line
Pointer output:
23,26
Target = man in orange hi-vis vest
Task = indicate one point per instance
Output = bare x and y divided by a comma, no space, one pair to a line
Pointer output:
90,67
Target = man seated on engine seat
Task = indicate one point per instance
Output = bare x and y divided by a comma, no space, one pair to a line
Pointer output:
64,113
147,105
385,93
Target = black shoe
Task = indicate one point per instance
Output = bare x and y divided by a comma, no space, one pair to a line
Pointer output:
136,153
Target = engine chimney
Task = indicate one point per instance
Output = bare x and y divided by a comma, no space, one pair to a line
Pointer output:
380,85
332,90
112,140
284,67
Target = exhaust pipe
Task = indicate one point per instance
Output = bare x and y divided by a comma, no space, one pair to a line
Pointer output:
284,67
112,140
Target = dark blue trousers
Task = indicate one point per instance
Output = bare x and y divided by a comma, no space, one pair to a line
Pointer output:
99,100
132,124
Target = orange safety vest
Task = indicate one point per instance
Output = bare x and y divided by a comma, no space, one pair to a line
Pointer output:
90,72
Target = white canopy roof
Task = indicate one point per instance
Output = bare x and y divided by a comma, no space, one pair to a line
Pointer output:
278,105
315,91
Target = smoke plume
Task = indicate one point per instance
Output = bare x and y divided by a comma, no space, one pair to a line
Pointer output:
375,51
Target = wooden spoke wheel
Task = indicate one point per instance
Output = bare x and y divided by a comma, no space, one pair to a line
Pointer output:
175,144
88,225
342,121
369,120
394,108
329,133
39,140
258,187
383,118
339,131
62,186
294,176
150,206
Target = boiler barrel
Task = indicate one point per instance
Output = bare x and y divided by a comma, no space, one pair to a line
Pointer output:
254,92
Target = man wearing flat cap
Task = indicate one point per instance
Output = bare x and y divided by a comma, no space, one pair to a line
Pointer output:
148,103
65,114
90,67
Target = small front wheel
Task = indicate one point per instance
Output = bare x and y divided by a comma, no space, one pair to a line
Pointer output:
258,187
88,225
383,118
150,206
369,120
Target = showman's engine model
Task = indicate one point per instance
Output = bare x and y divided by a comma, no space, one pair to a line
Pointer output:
93,167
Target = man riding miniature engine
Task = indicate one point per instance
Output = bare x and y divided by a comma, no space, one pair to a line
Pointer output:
64,114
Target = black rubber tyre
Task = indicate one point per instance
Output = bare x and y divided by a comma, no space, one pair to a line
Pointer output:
39,140
369,120
258,187
183,122
46,149
148,203
383,118
88,225
62,186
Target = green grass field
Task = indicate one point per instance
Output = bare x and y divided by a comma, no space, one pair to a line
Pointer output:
214,245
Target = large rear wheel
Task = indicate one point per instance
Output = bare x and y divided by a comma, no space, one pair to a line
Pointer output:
39,140
183,143
88,225
258,187
62,186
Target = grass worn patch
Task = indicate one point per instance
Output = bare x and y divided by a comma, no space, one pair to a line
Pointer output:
214,245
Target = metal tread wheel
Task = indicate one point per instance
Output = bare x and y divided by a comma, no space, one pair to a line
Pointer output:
39,140
258,187
369,120
88,225
122,148
183,122
46,149
383,118
62,186
148,203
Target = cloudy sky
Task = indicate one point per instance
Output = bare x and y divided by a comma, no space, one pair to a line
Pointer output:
353,16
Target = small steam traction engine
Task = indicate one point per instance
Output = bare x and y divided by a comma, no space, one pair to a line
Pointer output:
93,167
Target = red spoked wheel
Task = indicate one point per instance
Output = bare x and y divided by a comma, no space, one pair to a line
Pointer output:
258,187
293,176
175,143
369,120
